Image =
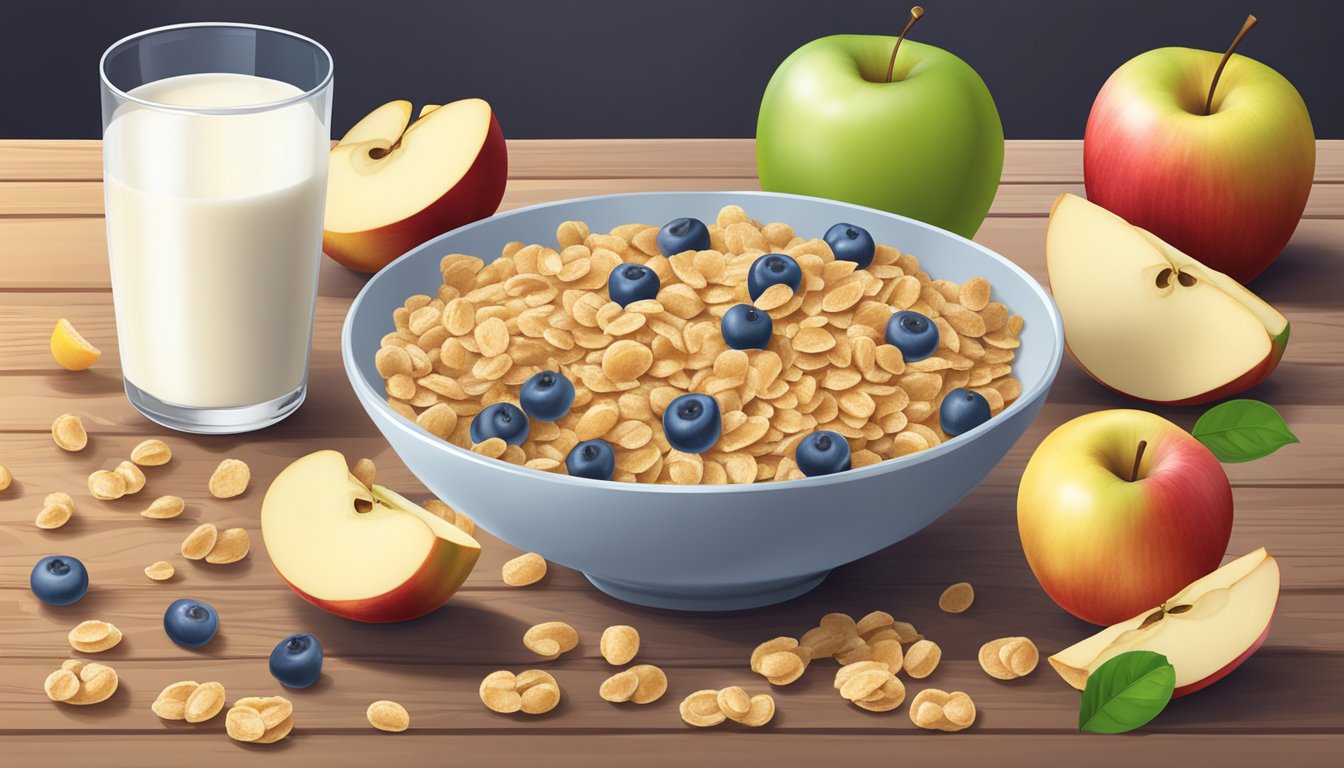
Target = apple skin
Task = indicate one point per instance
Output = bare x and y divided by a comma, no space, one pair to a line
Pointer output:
475,196
1106,549
928,145
1200,685
437,579
1227,188
1234,387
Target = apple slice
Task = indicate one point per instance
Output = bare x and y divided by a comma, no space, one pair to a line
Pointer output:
1206,630
1149,321
393,184
368,556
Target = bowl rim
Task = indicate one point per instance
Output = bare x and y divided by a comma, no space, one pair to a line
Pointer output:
367,394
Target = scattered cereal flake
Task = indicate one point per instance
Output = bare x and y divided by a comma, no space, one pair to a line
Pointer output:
106,486
524,570
388,716
206,701
957,598
61,685
200,541
619,644
151,453
231,545
53,516
68,432
164,508
94,636
160,571
229,479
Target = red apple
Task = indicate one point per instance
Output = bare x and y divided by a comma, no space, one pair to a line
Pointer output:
1117,510
1206,630
364,554
1220,167
393,184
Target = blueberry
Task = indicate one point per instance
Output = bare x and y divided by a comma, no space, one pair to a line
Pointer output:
629,283
822,453
912,333
547,396
746,327
962,411
59,580
297,661
190,623
851,243
683,235
770,269
503,420
593,459
692,423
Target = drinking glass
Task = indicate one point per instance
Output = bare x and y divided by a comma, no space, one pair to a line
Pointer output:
215,146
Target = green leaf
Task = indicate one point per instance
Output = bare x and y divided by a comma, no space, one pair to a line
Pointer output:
1242,430
1126,692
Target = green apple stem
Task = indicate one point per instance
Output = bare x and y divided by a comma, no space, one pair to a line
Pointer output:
1138,459
915,14
1208,104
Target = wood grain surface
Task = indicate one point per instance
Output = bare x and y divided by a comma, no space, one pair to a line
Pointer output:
1282,706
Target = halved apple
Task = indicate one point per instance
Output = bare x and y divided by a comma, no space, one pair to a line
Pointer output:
393,184
1206,630
1149,321
368,556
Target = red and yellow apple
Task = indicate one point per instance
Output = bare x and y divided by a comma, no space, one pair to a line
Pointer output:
393,184
364,554
1227,183
1206,630
1118,510
1147,320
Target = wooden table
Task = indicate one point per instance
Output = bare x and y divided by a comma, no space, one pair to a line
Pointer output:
1284,705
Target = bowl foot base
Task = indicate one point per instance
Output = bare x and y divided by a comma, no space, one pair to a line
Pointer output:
731,598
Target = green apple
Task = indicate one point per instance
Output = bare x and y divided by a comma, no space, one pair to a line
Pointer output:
924,142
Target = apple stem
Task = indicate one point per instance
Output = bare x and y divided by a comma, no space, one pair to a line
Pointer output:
915,14
1138,459
1217,73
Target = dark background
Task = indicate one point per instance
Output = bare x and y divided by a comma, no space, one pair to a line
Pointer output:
675,68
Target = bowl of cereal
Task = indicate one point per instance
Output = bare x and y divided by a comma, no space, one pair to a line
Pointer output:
748,410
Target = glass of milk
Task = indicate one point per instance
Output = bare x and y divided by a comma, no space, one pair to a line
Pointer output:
215,146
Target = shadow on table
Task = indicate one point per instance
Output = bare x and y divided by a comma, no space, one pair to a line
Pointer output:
1306,273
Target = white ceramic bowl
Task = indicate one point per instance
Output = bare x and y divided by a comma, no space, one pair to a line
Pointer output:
706,547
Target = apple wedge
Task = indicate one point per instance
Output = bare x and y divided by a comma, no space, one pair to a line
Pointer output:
366,555
1206,630
393,183
1147,320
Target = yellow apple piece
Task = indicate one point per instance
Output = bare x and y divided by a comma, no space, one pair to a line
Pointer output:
365,554
1146,320
70,349
393,183
1206,630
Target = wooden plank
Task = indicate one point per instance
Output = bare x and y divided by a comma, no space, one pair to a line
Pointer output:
485,625
85,198
29,317
1268,694
1299,526
71,254
680,747
1025,161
